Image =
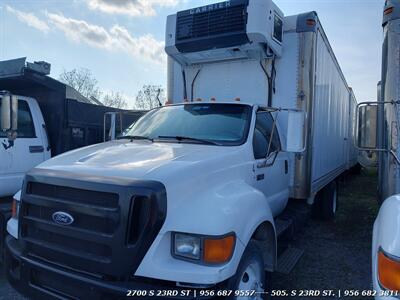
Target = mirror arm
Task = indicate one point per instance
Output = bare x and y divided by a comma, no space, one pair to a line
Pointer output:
395,156
272,136
265,163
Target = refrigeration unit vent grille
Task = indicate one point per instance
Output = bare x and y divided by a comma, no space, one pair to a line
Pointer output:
209,29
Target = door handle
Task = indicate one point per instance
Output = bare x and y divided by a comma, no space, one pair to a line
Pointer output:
36,149
286,167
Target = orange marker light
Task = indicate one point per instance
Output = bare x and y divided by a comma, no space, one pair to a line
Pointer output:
388,272
14,209
310,22
388,11
217,251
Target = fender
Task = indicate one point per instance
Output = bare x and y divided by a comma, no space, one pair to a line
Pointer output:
233,207
387,226
385,235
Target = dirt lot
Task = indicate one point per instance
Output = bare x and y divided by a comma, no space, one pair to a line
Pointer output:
337,254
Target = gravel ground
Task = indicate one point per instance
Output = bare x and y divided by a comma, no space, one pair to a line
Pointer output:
337,253
6,291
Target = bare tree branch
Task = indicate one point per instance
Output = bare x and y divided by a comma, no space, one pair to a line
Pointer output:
114,99
147,97
83,81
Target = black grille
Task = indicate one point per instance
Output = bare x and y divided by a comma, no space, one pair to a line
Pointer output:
215,28
109,200
110,233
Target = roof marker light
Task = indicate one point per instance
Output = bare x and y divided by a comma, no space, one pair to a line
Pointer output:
237,99
213,99
388,11
310,22
198,99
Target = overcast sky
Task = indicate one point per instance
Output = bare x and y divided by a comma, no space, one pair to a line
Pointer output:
121,41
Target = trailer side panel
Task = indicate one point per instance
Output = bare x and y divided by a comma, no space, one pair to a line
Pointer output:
330,118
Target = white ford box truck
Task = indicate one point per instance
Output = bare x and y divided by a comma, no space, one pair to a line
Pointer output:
189,202
40,118
378,131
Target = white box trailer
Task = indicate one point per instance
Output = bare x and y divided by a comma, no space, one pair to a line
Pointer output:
287,63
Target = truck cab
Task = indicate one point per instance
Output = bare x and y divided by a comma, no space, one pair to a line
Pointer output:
221,154
27,150
378,128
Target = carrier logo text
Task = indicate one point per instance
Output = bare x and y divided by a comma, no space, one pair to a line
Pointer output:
210,7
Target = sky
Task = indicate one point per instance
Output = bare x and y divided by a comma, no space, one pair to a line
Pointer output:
122,41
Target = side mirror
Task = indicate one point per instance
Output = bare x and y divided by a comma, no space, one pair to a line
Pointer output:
296,132
367,117
9,113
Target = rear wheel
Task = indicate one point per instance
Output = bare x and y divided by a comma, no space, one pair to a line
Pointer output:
326,202
250,275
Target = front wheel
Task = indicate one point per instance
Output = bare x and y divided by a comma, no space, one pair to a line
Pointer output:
250,275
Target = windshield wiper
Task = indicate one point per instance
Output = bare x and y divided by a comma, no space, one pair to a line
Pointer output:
187,138
134,137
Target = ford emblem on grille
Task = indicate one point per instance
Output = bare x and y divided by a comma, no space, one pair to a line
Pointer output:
62,218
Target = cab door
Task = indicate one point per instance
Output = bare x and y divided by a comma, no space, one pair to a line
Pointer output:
271,170
27,150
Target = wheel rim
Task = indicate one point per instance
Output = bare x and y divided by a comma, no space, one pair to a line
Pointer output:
251,280
334,208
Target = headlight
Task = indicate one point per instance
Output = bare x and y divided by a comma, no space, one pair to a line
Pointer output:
203,249
187,246
389,271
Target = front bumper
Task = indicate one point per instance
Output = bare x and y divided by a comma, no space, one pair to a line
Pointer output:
41,280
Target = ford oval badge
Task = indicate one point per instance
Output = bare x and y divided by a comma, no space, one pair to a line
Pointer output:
62,218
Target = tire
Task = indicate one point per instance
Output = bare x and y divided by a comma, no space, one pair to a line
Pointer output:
250,274
326,202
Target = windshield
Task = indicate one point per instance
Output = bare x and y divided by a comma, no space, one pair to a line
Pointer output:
221,124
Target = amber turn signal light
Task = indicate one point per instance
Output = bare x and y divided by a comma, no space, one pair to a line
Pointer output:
14,209
388,272
218,251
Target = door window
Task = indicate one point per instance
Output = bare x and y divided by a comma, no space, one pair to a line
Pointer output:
263,134
26,128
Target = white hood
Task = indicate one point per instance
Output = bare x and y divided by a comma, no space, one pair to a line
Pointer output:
137,159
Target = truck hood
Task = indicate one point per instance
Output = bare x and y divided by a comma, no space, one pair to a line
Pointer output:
138,159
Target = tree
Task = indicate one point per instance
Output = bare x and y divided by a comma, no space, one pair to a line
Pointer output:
114,99
83,81
149,97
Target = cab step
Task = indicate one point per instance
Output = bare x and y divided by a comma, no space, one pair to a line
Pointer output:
288,260
282,225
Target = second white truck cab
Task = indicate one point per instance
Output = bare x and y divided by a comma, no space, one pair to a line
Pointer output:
190,198
21,154
378,124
